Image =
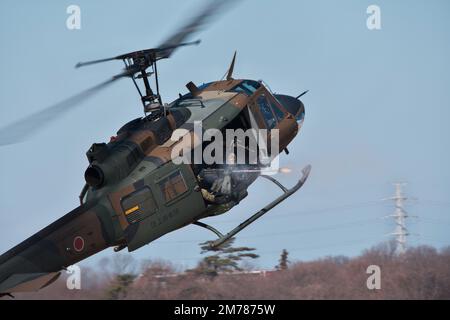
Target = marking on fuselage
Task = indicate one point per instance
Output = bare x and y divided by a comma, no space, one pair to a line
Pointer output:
131,210
78,244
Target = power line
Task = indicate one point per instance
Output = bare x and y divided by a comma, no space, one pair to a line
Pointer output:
336,208
434,203
283,233
316,211
436,221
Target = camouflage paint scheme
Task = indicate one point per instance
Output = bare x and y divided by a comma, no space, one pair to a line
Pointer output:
102,222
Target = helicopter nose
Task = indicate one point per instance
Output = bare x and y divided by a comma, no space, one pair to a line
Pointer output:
292,105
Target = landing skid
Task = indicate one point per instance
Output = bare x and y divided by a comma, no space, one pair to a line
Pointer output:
286,193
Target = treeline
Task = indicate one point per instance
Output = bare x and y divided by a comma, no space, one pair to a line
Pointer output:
420,273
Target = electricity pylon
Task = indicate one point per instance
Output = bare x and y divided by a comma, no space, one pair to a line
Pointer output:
400,215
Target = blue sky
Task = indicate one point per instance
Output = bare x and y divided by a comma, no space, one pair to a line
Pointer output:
376,113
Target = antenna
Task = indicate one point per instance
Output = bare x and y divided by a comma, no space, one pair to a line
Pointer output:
400,215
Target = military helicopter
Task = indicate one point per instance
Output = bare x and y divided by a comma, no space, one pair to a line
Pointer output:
135,191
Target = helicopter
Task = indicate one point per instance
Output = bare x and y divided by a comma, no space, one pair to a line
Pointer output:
138,185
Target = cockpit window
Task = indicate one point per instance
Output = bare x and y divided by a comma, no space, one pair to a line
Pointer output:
266,112
251,85
247,87
278,113
196,102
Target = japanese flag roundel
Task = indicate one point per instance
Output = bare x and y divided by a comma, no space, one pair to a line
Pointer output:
78,244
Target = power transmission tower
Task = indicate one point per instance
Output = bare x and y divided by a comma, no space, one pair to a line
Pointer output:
400,215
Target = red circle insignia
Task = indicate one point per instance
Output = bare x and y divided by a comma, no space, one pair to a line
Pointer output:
78,243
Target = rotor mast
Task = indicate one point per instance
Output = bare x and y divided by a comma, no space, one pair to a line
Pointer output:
136,65
149,100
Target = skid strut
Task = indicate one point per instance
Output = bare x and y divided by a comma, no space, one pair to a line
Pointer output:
286,193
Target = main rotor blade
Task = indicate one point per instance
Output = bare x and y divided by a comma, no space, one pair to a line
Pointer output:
87,63
192,26
19,130
177,39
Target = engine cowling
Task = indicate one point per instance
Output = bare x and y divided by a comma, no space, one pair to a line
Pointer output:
110,164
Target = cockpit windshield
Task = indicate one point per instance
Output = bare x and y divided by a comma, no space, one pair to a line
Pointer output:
248,87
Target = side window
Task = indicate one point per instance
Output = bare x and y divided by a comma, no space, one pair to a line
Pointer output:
172,186
266,112
139,205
